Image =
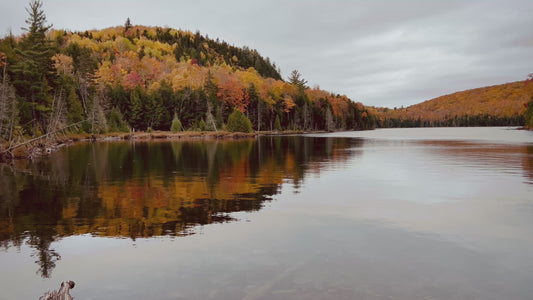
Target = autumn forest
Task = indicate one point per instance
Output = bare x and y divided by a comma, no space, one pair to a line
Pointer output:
140,78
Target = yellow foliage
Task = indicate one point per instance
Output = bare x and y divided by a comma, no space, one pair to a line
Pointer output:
316,94
249,77
124,45
63,64
151,62
187,75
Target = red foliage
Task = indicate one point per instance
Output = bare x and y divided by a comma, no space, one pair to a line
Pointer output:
132,80
233,94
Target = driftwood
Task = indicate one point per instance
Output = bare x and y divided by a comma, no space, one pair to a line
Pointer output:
62,294
8,150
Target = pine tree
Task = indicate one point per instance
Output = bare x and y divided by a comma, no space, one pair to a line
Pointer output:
33,72
127,25
297,80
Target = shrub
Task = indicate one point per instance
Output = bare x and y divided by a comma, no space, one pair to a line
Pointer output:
202,126
238,122
176,124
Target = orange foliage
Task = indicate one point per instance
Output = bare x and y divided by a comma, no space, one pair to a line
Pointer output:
339,105
504,100
233,93
136,58
289,103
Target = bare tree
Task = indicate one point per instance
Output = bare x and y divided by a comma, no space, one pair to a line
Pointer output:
8,105
330,123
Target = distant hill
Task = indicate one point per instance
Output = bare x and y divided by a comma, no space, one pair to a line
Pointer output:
498,105
146,78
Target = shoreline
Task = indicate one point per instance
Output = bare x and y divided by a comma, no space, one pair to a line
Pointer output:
46,147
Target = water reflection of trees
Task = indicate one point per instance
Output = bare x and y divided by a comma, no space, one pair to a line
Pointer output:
528,163
148,189
500,156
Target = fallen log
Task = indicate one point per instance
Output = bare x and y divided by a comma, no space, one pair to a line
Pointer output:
38,138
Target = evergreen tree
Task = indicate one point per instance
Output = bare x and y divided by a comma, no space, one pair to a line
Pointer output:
238,122
75,111
297,80
137,119
176,124
116,122
33,72
127,25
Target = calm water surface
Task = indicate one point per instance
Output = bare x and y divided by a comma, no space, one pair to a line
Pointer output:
441,213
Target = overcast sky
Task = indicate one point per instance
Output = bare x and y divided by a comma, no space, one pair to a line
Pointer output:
382,53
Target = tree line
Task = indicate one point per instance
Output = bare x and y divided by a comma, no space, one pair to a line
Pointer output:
142,78
499,105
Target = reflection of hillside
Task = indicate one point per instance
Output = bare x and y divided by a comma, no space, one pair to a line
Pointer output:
149,189
527,164
511,158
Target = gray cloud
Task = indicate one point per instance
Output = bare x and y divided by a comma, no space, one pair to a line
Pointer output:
383,53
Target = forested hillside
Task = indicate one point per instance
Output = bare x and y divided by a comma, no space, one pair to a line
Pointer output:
499,105
142,78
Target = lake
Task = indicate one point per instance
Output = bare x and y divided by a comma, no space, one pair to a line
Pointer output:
428,213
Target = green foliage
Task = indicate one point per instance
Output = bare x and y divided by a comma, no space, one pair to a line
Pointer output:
75,111
138,110
176,124
83,70
238,122
115,121
297,80
32,74
8,110
277,124
202,126
192,47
